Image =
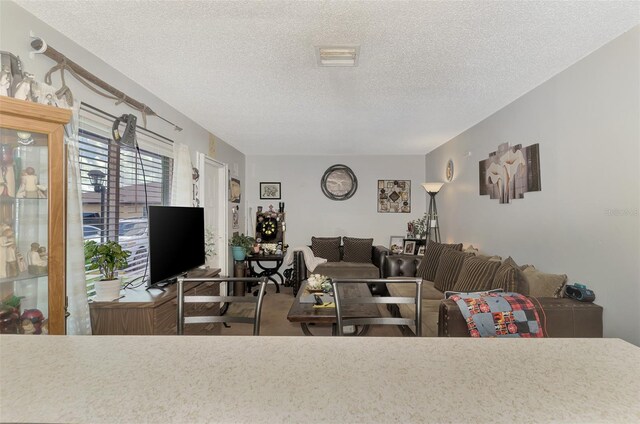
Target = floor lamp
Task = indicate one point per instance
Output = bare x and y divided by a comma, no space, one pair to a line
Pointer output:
433,227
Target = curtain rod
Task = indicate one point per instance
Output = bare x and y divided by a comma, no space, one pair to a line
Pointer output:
94,110
82,74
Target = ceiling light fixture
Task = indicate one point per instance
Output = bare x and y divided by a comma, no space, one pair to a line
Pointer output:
337,55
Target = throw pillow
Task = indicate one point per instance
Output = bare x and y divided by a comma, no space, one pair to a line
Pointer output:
326,247
357,249
476,275
449,267
509,277
429,264
542,284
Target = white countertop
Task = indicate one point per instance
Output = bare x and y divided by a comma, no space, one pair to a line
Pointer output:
194,379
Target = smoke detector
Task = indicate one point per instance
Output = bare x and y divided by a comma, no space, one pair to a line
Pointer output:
337,55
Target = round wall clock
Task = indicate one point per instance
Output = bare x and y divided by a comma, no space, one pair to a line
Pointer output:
339,182
449,172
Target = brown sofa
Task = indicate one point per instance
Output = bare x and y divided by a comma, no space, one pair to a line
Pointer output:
560,317
370,267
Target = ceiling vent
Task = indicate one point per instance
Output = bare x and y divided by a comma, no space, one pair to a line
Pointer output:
338,55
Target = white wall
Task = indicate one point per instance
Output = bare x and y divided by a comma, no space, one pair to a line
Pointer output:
585,220
15,24
310,213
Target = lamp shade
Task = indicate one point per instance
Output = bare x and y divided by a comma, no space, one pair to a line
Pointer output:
432,187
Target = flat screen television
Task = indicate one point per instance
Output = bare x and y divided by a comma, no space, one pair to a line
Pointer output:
176,242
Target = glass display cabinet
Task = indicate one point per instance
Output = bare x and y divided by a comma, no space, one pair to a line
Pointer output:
32,217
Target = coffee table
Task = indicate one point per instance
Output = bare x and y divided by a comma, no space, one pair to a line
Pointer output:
305,313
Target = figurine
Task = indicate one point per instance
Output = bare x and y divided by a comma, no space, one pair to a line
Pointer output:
9,320
31,321
5,80
11,264
45,326
29,187
42,251
37,266
24,89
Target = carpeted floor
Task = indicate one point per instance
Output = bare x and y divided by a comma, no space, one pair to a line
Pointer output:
274,319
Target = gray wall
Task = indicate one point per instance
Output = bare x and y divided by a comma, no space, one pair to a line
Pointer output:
15,24
585,220
310,213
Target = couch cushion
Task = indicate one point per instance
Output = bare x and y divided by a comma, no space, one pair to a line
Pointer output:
542,284
429,264
357,249
476,275
428,290
449,267
348,270
326,247
510,278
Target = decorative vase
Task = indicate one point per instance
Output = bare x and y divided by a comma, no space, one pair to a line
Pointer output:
239,254
107,290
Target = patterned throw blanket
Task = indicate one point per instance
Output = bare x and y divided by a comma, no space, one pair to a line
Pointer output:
499,314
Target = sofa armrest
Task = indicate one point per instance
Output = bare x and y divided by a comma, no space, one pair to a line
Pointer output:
558,317
299,271
378,255
400,266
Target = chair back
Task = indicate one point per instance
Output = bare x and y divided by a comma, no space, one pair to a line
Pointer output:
342,301
191,319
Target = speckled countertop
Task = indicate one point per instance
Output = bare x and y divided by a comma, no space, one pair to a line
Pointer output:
191,379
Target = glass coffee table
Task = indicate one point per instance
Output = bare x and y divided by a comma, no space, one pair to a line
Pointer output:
306,314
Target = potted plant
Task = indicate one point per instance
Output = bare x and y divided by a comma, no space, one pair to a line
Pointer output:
241,246
108,258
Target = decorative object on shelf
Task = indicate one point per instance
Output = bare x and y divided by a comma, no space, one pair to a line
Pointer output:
8,248
394,196
269,190
31,321
107,258
339,182
396,244
421,250
29,187
235,191
449,171
510,171
417,228
409,247
37,265
318,282
432,224
241,246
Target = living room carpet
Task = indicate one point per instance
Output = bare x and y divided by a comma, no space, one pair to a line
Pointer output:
274,321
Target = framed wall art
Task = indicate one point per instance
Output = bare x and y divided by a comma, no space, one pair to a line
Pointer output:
510,172
235,192
270,190
394,196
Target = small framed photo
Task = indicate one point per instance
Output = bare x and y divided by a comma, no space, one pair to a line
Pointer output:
409,247
396,244
269,190
421,250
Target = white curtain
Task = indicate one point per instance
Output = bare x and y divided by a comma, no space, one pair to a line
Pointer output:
79,321
181,190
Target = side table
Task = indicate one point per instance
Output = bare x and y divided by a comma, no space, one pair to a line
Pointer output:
270,271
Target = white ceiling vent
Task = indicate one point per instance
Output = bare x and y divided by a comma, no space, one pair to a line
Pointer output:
337,55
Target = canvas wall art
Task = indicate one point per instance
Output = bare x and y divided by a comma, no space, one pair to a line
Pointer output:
235,191
394,196
510,172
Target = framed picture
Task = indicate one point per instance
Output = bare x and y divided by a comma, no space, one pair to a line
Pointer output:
235,191
421,250
409,247
396,244
394,196
269,190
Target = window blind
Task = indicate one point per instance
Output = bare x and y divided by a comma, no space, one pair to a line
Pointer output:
115,207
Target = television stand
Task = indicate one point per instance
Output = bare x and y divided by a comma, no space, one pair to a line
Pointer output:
152,312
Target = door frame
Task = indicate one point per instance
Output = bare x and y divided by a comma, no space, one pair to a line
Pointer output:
223,191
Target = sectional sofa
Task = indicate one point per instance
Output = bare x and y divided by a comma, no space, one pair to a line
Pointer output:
449,268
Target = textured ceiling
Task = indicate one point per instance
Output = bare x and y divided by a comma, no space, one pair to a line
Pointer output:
247,71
